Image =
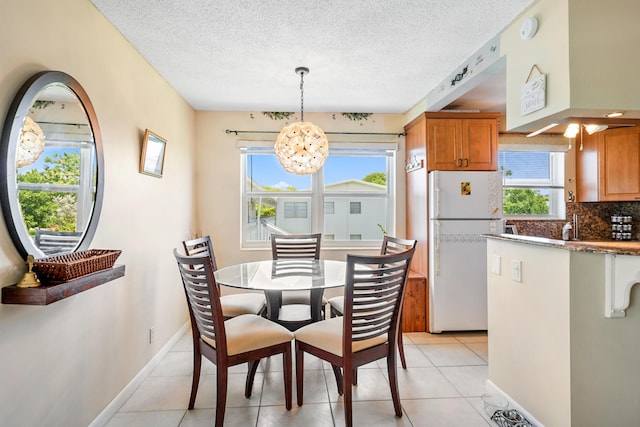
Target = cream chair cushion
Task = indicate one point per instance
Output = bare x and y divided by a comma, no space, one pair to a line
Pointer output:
245,303
327,335
298,297
337,303
250,332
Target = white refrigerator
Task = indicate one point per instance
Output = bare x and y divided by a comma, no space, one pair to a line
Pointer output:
462,207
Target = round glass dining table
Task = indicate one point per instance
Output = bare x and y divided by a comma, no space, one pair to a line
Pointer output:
274,276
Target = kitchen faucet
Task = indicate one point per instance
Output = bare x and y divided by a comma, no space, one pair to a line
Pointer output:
571,226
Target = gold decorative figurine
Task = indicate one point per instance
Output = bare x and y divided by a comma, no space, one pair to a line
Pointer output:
29,280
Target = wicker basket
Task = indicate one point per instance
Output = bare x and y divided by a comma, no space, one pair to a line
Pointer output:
62,268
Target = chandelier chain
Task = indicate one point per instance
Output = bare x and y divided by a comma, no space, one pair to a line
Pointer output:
302,96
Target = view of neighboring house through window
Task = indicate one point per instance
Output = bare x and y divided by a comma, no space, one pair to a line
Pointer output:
533,183
350,198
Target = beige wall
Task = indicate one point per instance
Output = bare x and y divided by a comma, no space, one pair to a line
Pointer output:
602,34
218,165
63,363
548,49
551,348
529,347
604,352
583,48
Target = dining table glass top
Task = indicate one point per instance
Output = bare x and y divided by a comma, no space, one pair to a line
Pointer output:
283,274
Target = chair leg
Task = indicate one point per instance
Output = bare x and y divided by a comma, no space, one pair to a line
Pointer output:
401,350
286,365
393,382
222,376
338,374
299,373
251,374
347,398
355,376
195,380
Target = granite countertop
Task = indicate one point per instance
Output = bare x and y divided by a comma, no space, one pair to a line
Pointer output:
600,246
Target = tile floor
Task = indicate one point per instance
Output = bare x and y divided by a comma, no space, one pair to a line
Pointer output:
442,387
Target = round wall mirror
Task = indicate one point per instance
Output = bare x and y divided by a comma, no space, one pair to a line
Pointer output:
51,177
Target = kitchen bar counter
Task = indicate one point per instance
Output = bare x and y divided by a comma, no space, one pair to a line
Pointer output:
615,247
563,329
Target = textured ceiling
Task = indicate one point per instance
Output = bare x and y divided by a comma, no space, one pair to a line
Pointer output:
379,56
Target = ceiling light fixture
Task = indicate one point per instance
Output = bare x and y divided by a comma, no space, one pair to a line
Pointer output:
591,129
615,114
301,147
572,130
539,131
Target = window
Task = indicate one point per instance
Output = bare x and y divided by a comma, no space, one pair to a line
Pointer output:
329,208
356,178
533,183
295,210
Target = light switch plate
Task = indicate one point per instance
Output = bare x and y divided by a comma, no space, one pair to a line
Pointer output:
495,264
516,270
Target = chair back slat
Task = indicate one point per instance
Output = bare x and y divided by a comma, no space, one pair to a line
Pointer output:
394,245
203,296
200,246
284,267
374,292
295,246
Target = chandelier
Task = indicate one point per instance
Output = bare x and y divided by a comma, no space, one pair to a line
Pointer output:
30,144
301,147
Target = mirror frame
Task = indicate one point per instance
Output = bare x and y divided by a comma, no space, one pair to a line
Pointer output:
18,110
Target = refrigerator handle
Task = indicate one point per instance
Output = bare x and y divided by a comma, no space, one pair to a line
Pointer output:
436,196
436,248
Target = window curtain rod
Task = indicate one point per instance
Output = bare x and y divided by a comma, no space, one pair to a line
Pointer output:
229,131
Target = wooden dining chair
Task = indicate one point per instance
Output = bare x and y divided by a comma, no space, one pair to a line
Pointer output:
246,338
296,246
234,304
368,329
390,245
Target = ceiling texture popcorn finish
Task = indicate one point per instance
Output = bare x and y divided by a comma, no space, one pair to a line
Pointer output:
378,56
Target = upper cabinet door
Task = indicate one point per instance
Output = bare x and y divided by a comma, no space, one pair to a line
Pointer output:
444,144
462,144
619,161
480,144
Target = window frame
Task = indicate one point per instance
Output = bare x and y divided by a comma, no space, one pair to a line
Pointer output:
556,181
318,194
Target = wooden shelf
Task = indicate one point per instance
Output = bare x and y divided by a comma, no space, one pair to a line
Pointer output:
43,295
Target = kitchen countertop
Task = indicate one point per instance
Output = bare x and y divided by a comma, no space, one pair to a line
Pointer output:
599,246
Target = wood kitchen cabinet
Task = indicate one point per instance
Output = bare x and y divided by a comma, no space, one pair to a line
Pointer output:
608,166
414,306
460,141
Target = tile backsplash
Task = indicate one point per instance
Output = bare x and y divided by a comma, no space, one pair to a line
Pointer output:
594,221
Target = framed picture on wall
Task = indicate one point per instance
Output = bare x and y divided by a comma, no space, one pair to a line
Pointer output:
153,149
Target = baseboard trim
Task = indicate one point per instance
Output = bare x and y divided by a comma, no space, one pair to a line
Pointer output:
112,408
494,389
